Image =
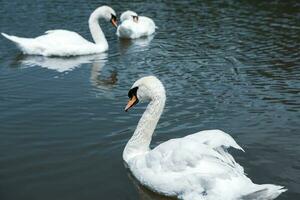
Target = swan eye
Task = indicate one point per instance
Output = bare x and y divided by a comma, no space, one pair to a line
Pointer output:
132,92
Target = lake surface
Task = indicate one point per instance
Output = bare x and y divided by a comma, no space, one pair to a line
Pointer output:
228,65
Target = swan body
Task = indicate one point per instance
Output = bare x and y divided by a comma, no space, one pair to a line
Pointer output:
197,166
68,43
133,26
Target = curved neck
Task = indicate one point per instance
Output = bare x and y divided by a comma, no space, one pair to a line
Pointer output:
139,143
96,31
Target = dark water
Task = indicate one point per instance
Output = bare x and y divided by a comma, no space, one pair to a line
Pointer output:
232,65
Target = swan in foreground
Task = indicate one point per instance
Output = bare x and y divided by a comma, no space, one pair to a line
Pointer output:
197,166
133,26
68,43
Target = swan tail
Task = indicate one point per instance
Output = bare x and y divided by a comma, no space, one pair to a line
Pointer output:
14,39
22,43
265,192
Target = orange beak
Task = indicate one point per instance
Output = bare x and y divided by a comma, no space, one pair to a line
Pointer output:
131,103
114,22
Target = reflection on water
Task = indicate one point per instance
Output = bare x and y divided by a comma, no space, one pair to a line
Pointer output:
99,80
61,64
139,44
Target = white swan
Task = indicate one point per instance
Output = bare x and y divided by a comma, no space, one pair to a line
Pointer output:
194,167
68,43
133,26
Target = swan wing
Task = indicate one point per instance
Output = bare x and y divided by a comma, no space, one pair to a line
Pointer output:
191,165
214,139
148,24
188,152
55,43
198,166
59,36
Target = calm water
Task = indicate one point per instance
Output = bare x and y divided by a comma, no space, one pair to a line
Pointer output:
234,66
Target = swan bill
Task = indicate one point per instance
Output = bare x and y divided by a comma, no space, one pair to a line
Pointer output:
133,100
113,20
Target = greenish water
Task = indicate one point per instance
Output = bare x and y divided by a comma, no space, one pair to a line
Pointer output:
230,65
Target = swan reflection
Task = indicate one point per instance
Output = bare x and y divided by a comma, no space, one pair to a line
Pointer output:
99,80
139,44
62,64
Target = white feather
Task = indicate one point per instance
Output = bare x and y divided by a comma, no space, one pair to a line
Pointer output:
194,167
135,29
64,42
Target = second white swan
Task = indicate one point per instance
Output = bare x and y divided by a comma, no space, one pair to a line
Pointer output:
195,167
68,43
133,26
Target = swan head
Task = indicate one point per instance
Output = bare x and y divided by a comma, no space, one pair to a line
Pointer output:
107,13
145,89
129,15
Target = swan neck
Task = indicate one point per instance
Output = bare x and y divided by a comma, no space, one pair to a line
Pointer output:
139,143
95,29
